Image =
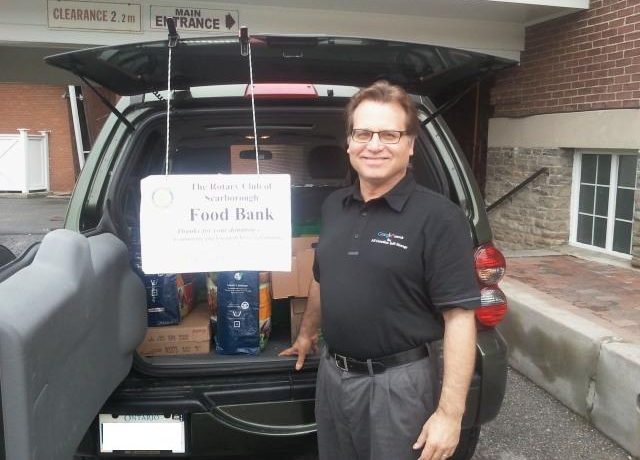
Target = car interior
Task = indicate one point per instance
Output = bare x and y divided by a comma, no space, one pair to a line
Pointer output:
305,142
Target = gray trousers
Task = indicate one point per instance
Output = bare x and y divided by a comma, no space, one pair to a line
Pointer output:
373,417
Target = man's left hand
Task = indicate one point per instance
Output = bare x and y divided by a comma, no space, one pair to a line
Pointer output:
439,437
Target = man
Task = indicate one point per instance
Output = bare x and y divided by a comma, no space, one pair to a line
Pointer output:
394,270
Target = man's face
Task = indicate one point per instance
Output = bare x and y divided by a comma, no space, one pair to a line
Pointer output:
379,164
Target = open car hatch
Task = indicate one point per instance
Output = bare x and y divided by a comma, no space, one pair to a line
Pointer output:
140,68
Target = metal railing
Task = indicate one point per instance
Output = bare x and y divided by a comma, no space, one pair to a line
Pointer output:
517,188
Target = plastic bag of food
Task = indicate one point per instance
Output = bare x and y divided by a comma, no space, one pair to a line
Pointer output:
170,298
238,325
265,309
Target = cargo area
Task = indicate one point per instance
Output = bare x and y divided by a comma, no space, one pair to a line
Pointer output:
182,308
302,140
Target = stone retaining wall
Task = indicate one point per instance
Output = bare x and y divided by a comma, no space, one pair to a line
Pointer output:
538,215
635,246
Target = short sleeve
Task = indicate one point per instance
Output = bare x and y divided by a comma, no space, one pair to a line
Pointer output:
450,274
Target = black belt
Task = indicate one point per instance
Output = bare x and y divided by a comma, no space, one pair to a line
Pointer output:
378,365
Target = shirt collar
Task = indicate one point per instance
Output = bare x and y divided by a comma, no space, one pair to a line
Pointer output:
396,198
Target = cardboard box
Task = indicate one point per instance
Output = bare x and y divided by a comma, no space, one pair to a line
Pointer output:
192,335
296,283
174,348
304,270
297,306
302,243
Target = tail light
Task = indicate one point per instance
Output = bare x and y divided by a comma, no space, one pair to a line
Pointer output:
490,269
490,264
493,306
282,91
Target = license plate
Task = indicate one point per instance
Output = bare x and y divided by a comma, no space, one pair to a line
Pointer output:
142,433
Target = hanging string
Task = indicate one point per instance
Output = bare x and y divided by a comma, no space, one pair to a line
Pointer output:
166,157
253,112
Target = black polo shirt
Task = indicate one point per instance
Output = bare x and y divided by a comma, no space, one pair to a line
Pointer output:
389,267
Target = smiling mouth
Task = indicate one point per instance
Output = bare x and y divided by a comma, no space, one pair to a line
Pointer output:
375,159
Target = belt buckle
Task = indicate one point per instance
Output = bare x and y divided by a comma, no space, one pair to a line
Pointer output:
339,359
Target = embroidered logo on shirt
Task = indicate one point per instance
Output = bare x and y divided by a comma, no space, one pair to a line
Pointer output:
389,239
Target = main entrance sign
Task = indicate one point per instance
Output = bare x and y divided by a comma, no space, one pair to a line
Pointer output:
189,19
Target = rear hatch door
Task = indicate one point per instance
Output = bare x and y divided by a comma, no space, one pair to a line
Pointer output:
142,68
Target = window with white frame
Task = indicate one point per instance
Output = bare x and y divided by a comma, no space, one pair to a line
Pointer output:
603,200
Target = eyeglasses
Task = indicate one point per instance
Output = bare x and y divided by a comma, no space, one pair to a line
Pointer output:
386,137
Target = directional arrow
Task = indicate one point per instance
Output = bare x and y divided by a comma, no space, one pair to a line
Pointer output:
229,22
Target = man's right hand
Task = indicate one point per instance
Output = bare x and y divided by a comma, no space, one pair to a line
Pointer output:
307,340
301,347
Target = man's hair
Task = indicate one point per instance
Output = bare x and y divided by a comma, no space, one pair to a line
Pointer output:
384,92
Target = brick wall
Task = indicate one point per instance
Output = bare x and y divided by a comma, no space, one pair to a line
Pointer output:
538,215
468,119
96,111
40,108
588,60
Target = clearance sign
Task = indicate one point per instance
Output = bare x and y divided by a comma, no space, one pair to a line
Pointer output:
116,17
189,19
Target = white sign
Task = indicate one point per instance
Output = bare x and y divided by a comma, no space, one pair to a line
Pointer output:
202,223
116,17
189,19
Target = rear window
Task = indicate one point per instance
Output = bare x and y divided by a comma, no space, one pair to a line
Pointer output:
306,164
308,143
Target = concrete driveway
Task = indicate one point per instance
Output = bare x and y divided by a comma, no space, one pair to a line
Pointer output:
24,221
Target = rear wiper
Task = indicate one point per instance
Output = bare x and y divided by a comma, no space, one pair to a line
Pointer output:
106,102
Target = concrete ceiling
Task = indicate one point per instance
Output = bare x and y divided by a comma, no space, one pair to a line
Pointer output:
489,26
27,65
522,12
